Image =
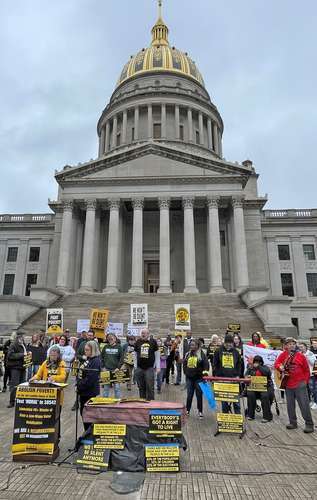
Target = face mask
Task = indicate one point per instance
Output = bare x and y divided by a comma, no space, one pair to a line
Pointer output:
256,365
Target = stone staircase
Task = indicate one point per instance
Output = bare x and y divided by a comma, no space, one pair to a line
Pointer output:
209,313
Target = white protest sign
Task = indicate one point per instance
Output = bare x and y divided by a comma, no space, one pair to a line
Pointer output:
115,328
134,331
83,325
139,315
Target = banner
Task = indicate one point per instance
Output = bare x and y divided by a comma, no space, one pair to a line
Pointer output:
165,423
269,355
35,421
83,325
139,315
258,384
115,328
99,322
54,321
182,316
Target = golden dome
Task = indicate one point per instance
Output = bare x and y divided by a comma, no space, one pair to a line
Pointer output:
160,56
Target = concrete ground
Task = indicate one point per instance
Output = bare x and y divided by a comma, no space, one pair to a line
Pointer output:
264,448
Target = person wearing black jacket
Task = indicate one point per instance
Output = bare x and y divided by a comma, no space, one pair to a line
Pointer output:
89,376
258,369
195,366
6,375
227,364
15,361
38,355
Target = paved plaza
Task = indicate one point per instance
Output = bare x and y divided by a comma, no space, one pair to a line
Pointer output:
264,448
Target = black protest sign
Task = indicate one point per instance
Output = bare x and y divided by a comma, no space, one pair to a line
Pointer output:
27,360
234,327
90,457
230,423
36,420
109,436
226,392
162,457
165,422
118,376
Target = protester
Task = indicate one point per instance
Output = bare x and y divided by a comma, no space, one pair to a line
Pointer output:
38,355
67,352
294,366
195,366
186,342
227,363
82,338
313,378
213,345
89,375
129,358
175,354
238,344
160,377
258,369
15,360
53,369
257,341
148,359
303,348
80,354
6,375
112,360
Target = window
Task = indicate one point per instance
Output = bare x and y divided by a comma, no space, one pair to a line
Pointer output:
223,238
197,137
157,132
31,279
287,284
8,284
312,284
295,322
118,139
283,252
315,323
309,252
12,254
132,134
181,132
34,254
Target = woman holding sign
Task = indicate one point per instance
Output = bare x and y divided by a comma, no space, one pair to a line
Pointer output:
258,369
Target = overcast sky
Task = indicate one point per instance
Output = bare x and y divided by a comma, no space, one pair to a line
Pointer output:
60,60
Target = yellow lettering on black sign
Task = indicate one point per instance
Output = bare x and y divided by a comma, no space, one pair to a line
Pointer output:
258,384
227,360
230,423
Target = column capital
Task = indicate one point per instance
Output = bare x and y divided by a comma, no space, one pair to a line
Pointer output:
68,205
213,201
164,203
237,201
188,201
138,203
114,203
90,204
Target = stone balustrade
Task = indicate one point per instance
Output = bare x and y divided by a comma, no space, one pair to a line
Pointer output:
289,213
26,218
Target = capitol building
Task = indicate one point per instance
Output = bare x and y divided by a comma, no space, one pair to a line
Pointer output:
160,211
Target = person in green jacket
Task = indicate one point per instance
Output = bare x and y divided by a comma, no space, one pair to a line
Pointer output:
112,357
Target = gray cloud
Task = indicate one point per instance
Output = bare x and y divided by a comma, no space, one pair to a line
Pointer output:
59,62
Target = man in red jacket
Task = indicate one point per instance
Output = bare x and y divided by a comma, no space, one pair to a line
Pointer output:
293,364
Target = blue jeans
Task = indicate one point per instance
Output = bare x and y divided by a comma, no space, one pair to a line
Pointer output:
226,407
159,378
313,388
178,373
32,370
117,391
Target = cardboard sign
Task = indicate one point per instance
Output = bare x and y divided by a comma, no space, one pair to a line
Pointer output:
109,436
83,325
54,321
230,423
165,422
90,457
139,315
162,457
115,328
258,384
226,392
182,316
36,420
234,327
120,376
27,360
99,321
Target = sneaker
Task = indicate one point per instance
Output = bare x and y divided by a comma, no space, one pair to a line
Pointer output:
291,426
251,418
10,405
308,429
187,413
265,421
200,415
4,389
314,406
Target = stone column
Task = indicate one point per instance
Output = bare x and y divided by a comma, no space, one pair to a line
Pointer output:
137,247
214,248
124,126
215,138
189,246
177,122
20,273
102,142
163,119
136,123
87,275
3,257
201,128
165,265
219,143
107,146
114,132
209,129
299,275
274,267
113,247
65,247
149,121
190,124
241,261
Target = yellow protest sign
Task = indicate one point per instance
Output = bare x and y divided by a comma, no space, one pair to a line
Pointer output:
258,384
99,321
230,423
226,392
